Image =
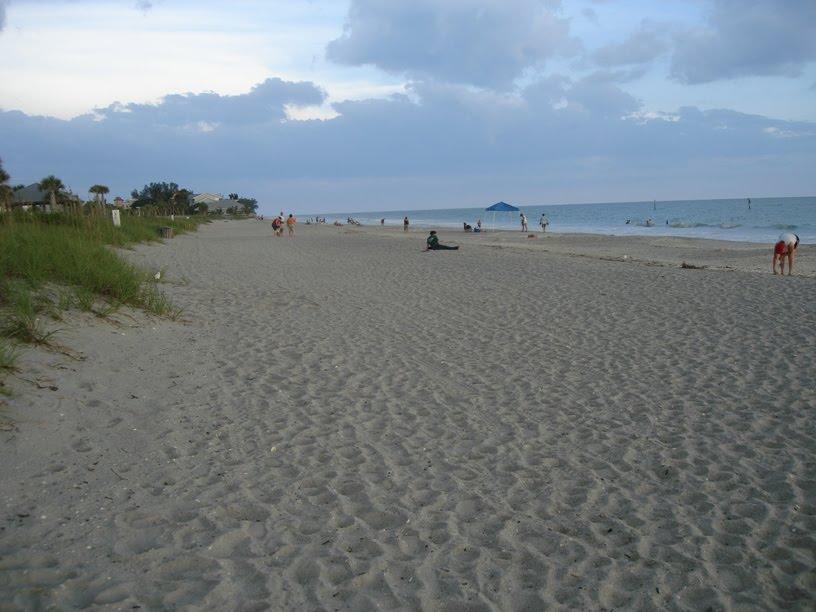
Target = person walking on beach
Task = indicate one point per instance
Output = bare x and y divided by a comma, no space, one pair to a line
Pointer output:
277,226
544,222
433,243
405,224
523,222
290,224
785,247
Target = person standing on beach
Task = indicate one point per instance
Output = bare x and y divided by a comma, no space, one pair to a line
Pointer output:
523,222
405,224
290,224
784,247
544,222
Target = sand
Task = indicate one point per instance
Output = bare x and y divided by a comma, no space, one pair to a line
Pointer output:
341,421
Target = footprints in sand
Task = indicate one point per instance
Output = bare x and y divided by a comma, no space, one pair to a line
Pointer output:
348,437
81,445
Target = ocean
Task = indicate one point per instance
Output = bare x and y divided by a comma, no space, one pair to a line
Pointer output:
757,220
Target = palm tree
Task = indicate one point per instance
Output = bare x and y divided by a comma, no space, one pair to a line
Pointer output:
52,186
181,201
99,192
6,192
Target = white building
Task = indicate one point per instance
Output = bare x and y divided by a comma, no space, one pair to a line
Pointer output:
207,198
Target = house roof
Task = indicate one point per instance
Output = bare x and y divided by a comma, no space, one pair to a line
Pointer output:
30,195
207,197
224,204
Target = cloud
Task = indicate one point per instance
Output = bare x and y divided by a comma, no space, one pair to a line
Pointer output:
443,144
747,38
487,43
590,15
266,102
598,94
644,45
142,5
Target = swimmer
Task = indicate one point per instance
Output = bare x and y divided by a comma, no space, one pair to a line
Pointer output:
785,247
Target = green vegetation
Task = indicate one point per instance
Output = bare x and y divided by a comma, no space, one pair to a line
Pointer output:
51,262
23,322
6,191
8,355
52,186
57,254
164,198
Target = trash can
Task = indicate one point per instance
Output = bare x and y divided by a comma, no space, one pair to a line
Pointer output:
166,232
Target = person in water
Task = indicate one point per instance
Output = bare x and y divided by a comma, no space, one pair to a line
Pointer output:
434,245
785,247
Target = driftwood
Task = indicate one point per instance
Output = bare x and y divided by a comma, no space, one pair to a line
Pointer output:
688,266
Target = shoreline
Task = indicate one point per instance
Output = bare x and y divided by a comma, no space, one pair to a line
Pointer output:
666,251
457,227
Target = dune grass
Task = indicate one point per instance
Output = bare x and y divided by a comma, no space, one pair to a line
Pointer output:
72,252
24,309
100,228
8,355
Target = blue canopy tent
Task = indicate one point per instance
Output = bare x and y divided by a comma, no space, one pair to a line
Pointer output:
502,207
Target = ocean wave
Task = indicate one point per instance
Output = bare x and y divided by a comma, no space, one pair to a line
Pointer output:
686,224
693,224
784,226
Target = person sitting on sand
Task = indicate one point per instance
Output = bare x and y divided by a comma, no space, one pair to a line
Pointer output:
434,245
784,247
467,227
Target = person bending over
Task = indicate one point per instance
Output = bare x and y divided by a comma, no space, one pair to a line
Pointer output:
785,247
434,245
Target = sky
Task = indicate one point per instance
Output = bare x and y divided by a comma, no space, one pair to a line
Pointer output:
353,105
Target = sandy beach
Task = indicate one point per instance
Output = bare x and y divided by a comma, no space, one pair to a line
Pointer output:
341,421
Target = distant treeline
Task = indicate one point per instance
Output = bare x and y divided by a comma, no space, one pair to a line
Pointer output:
161,198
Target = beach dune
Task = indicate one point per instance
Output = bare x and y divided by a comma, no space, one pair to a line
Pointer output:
342,421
